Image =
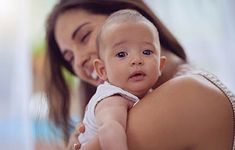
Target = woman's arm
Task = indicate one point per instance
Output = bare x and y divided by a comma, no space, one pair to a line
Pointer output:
187,112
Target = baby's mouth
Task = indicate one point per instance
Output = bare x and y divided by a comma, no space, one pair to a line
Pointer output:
137,76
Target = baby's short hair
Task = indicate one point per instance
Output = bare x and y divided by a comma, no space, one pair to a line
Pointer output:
121,16
125,15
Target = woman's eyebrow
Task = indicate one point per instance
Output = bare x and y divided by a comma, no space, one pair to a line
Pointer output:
78,29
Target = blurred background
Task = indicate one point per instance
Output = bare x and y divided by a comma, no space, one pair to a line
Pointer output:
206,29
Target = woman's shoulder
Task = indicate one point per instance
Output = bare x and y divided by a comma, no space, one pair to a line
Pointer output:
191,84
196,92
187,110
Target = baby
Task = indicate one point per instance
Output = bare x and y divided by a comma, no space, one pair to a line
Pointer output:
130,64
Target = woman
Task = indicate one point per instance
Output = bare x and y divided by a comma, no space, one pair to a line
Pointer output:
190,109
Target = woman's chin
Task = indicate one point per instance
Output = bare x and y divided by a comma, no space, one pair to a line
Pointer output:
95,82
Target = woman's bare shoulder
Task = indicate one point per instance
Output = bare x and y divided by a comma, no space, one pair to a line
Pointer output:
188,86
183,113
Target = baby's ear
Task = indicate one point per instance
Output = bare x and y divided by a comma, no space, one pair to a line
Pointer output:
100,69
162,62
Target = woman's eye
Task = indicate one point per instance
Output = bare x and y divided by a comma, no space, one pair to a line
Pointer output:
147,52
121,54
84,38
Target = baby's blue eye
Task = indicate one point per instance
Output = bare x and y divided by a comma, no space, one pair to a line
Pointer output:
121,54
147,52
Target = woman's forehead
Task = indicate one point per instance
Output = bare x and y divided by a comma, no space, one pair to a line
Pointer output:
71,19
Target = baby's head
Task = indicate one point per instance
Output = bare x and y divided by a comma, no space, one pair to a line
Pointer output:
120,18
129,52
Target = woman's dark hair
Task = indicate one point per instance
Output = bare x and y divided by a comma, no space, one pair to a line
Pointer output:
57,89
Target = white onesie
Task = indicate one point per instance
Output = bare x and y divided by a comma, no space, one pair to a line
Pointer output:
104,90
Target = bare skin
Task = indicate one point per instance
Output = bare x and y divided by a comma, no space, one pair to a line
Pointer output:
186,112
186,121
207,129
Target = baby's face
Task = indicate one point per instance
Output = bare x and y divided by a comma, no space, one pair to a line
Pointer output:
131,55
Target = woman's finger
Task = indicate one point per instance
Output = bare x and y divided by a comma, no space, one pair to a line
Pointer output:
80,128
73,140
76,146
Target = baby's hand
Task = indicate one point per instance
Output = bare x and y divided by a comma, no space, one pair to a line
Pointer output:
73,140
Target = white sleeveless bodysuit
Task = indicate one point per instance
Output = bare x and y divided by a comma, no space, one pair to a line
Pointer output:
103,91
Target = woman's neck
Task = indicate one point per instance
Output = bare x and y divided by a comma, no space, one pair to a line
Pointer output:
173,63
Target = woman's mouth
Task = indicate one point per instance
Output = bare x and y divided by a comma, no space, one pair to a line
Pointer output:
91,74
94,75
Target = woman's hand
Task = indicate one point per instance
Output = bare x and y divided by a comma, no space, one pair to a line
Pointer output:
73,140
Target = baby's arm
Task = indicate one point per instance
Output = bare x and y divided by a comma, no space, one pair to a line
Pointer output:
111,116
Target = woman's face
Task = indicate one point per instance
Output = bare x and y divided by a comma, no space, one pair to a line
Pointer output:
75,33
